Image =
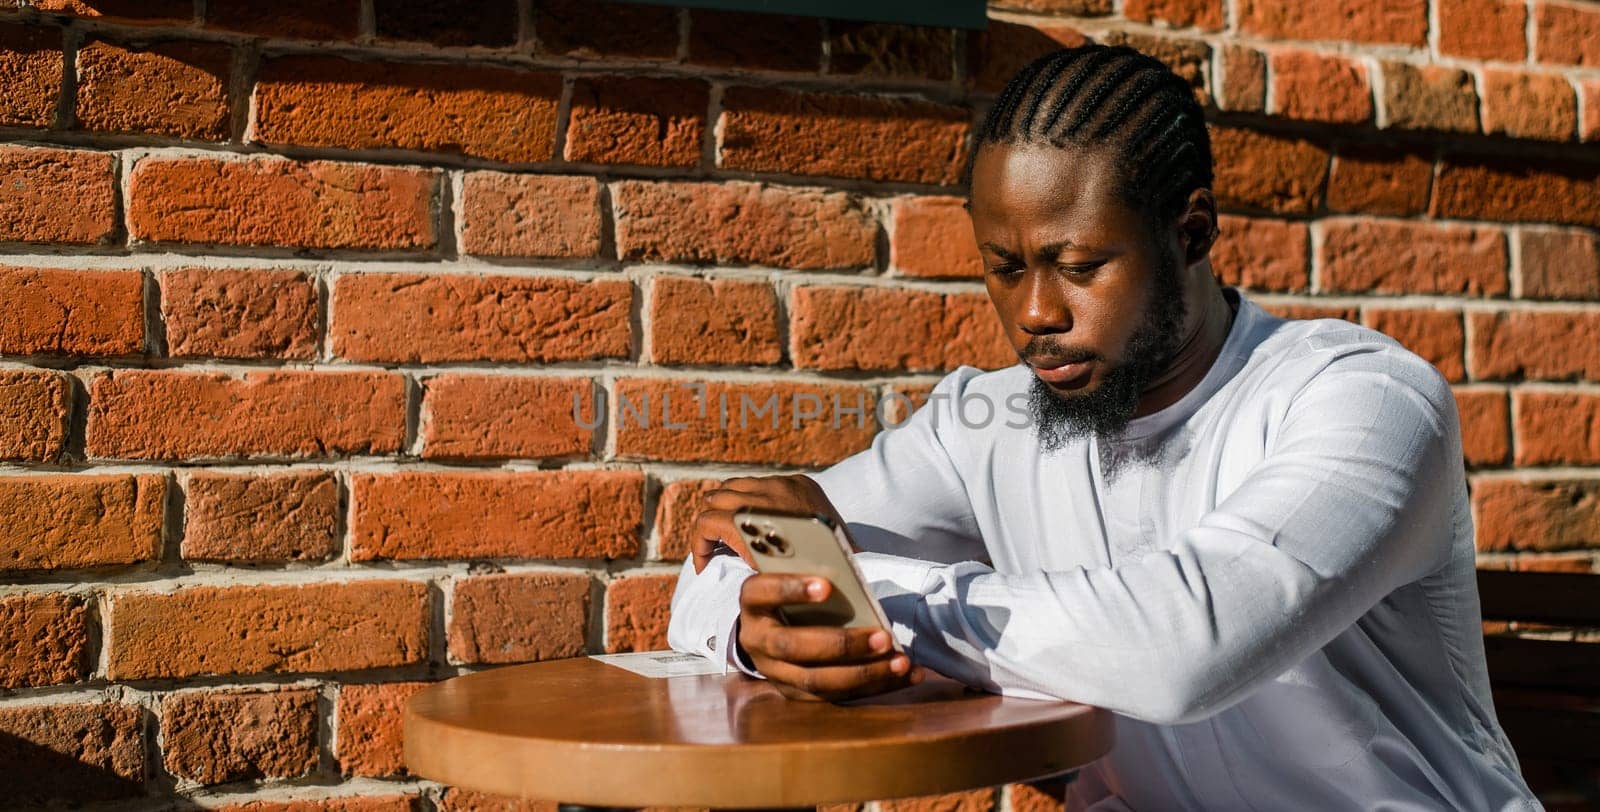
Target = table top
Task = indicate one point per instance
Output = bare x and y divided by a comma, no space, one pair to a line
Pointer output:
582,731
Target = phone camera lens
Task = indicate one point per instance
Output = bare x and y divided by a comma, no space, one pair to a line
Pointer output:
759,546
748,528
778,543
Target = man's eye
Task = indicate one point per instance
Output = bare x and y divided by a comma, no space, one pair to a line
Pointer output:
1082,268
1005,270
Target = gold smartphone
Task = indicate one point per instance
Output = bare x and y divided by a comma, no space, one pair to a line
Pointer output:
813,545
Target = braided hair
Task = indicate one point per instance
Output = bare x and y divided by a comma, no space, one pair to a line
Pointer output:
1114,98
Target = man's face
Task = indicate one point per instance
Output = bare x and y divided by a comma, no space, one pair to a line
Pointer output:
1090,299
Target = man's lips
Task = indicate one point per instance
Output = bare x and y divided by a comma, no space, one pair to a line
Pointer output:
1060,372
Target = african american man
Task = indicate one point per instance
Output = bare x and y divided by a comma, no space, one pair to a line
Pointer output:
1248,537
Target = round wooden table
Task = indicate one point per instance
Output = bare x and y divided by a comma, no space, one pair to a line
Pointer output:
585,732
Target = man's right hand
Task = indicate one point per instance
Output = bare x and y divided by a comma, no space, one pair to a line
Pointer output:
828,663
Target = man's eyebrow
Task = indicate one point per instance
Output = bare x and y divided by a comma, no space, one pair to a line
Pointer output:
1048,252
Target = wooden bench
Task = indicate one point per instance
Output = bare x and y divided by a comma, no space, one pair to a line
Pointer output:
1547,687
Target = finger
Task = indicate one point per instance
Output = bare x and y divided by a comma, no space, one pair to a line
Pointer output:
770,590
712,526
842,681
824,645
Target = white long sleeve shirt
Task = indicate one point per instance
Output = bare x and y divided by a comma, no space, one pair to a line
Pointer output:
1270,582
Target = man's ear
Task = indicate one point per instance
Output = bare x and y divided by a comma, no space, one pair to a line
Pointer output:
1197,225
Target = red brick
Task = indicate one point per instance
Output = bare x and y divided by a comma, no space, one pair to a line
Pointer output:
743,422
1535,345
58,755
503,114
340,803
239,313
1320,87
996,54
1279,174
500,514
1262,254
637,120
490,23
168,88
1483,29
637,610
1500,189
278,202
1187,58
1205,15
713,321
409,318
1589,127
1430,97
1529,105
80,520
739,222
57,311
1310,310
1485,426
1559,264
1557,428
977,800
1566,33
890,51
1244,79
878,328
1359,255
763,129
254,629
295,19
57,196
1380,181
587,29
175,414
509,215
751,41
931,236
368,740
497,416
677,508
131,11
30,75
256,519
456,799
45,637
35,407
1042,796
1540,515
1433,334
1404,22
522,617
214,737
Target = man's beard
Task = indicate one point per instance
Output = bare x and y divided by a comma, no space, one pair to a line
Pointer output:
1106,410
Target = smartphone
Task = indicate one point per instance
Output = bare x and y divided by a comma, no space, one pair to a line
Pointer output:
813,545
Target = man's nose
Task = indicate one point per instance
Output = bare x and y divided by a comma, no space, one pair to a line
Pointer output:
1044,308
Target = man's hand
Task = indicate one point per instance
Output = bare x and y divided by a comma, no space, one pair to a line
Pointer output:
815,662
794,494
804,662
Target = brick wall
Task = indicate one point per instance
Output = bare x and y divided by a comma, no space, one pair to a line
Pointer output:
296,298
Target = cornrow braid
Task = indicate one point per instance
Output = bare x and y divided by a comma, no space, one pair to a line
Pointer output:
1112,98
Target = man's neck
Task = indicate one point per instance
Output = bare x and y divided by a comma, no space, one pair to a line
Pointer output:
1194,357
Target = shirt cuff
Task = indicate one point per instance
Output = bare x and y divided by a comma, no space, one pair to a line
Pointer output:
901,585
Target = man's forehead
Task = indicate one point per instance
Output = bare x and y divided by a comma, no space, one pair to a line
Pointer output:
1031,178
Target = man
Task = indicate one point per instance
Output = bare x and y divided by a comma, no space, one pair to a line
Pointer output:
1248,537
